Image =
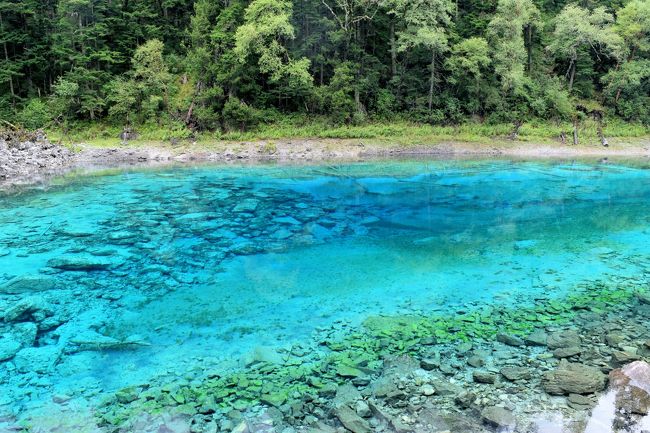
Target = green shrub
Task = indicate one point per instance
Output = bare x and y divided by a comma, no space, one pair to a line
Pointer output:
237,114
35,114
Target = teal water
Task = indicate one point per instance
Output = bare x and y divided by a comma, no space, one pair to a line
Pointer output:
203,266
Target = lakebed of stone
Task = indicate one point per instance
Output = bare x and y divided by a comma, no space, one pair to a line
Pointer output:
466,367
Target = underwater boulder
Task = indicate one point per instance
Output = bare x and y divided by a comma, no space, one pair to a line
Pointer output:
28,284
8,347
536,338
351,421
498,417
263,355
510,340
632,386
82,263
574,378
24,333
31,306
37,359
563,339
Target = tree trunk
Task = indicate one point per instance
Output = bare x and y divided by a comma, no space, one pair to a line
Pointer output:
572,74
11,78
322,73
529,37
432,79
188,116
601,135
575,132
357,100
598,117
393,49
619,90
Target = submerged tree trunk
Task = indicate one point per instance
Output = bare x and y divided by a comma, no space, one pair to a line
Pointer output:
432,79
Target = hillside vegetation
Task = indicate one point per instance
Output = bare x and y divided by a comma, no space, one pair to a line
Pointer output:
226,68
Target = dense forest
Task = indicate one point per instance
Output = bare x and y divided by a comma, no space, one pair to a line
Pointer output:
228,64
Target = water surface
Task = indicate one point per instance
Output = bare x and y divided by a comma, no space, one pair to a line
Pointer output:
205,265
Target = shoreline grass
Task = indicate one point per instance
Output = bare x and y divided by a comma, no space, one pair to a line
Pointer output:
396,133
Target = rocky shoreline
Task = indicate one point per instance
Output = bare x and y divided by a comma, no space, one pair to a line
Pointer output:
35,160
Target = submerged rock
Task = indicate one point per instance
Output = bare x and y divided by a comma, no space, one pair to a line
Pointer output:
8,348
515,373
352,421
567,352
632,386
536,338
37,359
525,244
510,340
563,339
344,370
247,205
498,417
25,333
28,284
287,220
263,354
346,395
362,409
579,402
387,419
26,307
274,398
81,263
484,377
573,378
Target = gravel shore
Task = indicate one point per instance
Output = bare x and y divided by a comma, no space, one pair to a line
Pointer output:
33,162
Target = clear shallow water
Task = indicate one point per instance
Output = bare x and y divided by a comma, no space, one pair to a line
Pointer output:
206,264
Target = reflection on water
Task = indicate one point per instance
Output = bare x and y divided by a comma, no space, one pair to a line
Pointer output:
122,278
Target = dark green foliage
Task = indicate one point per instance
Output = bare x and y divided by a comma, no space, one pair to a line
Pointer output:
35,114
207,65
239,115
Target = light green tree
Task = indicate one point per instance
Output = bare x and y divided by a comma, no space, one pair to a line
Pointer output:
143,91
577,28
267,25
506,33
633,25
426,25
467,64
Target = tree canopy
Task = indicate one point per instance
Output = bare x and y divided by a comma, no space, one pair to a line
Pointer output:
208,65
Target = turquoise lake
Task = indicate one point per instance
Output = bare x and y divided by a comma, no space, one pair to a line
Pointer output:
191,269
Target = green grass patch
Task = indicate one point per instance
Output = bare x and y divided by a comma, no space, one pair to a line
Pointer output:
396,132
